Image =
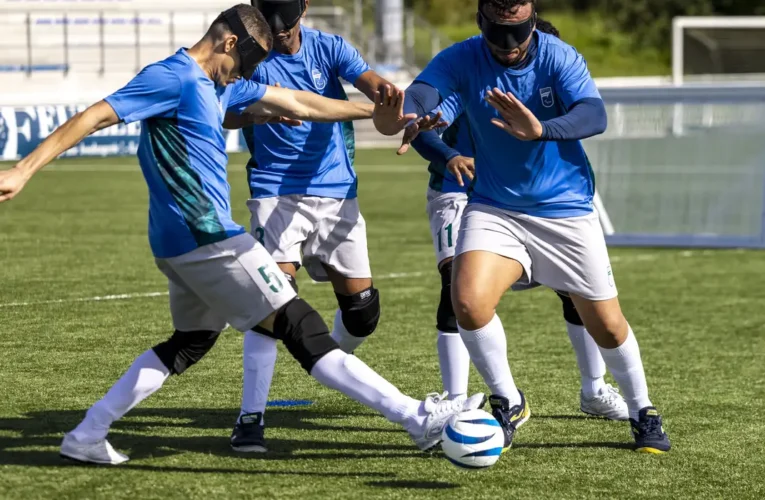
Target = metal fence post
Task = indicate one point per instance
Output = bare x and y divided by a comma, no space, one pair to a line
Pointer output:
102,43
435,43
137,22
171,27
410,39
66,44
29,44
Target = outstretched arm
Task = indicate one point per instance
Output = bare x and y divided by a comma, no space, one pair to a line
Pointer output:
71,133
300,105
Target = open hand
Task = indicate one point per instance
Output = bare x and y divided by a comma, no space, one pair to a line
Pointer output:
423,124
389,118
517,120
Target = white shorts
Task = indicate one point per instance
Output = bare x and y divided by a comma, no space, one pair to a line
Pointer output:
314,231
234,282
568,255
445,212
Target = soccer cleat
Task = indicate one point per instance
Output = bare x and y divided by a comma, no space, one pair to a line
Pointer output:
509,418
608,403
247,436
100,452
440,410
649,433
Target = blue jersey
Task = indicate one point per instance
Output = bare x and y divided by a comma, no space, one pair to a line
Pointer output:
315,158
539,178
457,136
182,151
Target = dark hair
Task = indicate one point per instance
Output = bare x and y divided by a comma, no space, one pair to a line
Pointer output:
254,22
547,27
504,6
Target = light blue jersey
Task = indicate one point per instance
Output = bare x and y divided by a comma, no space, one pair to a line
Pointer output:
539,178
182,150
456,136
313,159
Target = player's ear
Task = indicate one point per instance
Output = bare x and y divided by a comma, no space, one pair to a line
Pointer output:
307,4
229,43
478,19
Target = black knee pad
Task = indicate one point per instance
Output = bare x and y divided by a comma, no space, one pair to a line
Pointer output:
304,333
446,320
569,311
360,312
183,349
291,281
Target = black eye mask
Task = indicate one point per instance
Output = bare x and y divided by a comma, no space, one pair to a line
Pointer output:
282,15
506,36
251,53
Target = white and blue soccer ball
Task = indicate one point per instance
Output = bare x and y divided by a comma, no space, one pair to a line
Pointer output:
473,440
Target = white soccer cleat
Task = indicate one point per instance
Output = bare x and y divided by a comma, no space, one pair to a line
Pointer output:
100,452
608,404
440,410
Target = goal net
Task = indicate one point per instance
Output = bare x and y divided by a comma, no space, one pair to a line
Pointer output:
682,166
718,49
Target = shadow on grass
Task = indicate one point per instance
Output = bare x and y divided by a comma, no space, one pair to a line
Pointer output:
148,433
413,485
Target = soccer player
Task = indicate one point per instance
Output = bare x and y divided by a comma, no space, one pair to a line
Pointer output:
304,209
530,100
217,272
447,199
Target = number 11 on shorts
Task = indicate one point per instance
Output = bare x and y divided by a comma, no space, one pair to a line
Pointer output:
271,278
449,240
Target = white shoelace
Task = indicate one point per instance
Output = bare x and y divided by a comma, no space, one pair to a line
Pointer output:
610,394
442,405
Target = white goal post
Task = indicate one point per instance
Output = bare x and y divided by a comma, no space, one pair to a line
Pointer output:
680,24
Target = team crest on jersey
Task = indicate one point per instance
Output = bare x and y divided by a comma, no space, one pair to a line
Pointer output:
318,79
548,100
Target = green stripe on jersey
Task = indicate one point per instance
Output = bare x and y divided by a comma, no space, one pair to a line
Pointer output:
185,186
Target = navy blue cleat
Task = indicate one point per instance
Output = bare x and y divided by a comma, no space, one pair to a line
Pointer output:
510,418
247,436
649,433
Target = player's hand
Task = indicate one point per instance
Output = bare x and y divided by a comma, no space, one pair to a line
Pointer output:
389,118
424,124
11,183
517,120
462,165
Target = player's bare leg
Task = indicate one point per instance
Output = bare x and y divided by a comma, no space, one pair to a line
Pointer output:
618,345
480,280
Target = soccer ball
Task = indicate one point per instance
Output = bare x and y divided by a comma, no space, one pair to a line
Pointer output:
473,440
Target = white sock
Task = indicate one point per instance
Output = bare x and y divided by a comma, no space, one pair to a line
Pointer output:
259,358
625,365
488,352
143,378
454,359
351,376
347,342
592,368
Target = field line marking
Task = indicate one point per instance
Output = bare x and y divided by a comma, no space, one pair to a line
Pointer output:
104,298
644,257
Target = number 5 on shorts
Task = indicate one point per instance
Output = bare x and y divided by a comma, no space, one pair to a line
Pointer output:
271,278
